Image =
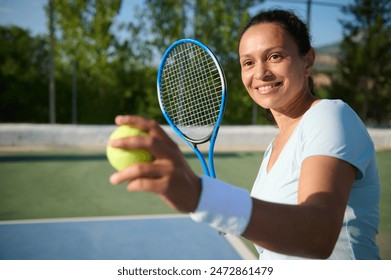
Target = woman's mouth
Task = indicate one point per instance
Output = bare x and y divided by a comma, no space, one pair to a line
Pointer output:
266,89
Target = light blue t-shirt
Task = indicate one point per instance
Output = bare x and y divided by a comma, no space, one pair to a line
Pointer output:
333,129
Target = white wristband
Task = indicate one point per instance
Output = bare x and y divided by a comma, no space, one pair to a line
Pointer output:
223,207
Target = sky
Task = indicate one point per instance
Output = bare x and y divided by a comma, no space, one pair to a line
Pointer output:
325,27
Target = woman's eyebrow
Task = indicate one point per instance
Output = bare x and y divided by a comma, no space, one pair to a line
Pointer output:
265,51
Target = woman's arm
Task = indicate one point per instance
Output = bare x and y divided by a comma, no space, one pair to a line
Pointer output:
309,229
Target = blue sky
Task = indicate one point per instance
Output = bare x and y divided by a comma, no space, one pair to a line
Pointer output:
324,25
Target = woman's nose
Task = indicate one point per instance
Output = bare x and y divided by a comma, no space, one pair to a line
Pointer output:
262,71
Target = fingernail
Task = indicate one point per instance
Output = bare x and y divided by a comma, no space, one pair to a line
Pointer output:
119,119
113,143
113,180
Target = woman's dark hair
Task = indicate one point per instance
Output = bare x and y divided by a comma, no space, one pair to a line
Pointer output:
293,25
289,21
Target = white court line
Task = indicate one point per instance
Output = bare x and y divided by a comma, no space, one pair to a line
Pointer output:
240,247
92,219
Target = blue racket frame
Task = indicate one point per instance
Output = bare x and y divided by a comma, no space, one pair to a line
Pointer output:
209,171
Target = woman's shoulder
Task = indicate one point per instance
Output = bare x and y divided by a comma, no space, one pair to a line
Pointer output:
330,105
333,120
331,110
332,128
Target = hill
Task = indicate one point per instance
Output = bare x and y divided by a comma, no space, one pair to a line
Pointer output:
327,57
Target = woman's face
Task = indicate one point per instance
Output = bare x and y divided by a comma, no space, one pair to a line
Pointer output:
273,71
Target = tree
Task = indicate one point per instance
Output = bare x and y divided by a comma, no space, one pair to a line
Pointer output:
363,78
84,39
23,76
115,74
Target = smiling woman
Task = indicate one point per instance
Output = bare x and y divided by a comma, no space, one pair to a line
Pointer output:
272,66
276,59
278,63
316,194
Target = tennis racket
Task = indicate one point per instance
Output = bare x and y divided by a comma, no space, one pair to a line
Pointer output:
192,92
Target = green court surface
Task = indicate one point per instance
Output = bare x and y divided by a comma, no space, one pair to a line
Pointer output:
57,184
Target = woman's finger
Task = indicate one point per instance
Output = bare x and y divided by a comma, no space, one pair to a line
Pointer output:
155,146
148,125
136,171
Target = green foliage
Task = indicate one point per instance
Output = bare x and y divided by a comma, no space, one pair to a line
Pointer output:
364,71
23,72
83,36
113,74
166,21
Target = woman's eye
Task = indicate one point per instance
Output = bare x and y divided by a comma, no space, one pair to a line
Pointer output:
247,63
275,57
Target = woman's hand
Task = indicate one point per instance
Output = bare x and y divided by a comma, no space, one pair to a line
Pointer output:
168,175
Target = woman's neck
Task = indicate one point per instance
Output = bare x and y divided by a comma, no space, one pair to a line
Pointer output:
291,115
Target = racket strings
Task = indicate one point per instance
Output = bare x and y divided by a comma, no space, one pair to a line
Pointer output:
191,90
197,84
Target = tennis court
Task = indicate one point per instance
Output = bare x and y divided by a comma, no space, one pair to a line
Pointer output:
165,237
60,205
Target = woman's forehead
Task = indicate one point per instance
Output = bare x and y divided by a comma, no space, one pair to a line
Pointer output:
265,36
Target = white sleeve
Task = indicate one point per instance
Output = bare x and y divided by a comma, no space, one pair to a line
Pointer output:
336,130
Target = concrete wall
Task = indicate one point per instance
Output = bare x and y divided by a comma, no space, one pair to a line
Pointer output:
94,137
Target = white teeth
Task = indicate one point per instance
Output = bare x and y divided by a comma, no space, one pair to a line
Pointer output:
266,88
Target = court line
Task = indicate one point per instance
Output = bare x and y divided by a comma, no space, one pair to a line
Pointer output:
244,252
92,219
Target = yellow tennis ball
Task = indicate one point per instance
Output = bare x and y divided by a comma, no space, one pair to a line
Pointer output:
122,158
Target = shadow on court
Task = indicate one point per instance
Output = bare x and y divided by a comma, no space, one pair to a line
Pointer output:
34,158
94,157
170,237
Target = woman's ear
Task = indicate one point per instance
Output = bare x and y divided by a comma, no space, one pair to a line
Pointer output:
310,60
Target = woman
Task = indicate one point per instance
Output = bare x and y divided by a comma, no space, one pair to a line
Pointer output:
317,191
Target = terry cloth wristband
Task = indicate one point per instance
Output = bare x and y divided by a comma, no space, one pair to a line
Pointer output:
222,206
